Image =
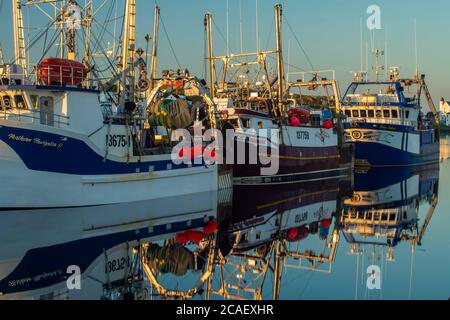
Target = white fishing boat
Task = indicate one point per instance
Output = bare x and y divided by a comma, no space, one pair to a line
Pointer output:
101,242
61,147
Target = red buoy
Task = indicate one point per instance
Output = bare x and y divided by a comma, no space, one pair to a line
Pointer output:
195,236
56,71
210,154
326,223
210,227
182,238
295,122
292,235
328,124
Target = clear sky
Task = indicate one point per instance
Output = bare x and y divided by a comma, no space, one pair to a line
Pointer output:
329,31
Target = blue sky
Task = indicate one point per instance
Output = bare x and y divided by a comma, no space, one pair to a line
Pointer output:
328,30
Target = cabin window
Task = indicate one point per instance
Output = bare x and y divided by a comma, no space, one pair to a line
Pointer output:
371,113
348,113
245,238
355,114
363,113
394,114
20,102
34,101
386,113
315,120
246,123
407,114
6,102
260,125
46,111
379,114
258,235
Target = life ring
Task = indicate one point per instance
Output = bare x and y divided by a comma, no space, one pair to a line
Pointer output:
357,135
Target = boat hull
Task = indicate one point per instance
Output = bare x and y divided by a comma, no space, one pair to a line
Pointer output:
77,175
85,237
298,161
392,146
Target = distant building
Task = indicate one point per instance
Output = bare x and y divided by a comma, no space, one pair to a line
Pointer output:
444,112
444,106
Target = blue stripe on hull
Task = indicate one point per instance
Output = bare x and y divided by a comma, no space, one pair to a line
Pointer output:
381,155
55,260
72,156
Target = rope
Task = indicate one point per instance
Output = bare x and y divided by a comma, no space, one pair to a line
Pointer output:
170,43
222,36
299,44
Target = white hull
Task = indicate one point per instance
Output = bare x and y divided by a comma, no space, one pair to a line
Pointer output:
25,188
55,232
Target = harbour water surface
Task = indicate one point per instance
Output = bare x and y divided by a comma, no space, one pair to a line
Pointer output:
303,241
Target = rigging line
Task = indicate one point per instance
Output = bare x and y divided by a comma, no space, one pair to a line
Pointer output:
222,36
298,43
170,42
106,56
102,33
306,285
289,64
270,34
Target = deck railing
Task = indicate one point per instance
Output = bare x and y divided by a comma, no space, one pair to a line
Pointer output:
408,123
55,75
34,116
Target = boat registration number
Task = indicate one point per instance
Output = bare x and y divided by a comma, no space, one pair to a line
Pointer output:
117,265
117,140
303,135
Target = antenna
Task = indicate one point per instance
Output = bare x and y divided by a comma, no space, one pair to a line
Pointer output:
415,47
386,52
361,41
228,26
257,27
240,26
378,53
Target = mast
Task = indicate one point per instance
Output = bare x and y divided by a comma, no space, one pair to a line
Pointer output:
19,39
154,70
87,45
280,66
129,36
208,25
128,49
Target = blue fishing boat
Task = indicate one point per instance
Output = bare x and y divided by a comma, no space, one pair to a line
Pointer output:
387,124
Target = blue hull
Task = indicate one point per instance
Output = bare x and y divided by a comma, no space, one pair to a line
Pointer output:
378,155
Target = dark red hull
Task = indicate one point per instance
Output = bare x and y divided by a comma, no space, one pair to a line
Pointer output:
297,164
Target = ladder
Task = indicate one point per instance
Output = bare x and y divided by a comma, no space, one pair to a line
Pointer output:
19,39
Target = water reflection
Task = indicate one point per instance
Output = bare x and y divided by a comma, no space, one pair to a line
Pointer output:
445,148
252,243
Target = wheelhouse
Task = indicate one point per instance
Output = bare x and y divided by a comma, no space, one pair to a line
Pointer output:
381,102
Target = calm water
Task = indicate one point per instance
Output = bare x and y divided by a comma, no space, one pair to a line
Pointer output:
318,240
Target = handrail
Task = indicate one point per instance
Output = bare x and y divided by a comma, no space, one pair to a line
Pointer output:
407,123
61,120
15,75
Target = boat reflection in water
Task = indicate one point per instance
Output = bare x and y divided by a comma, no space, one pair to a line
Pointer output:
267,230
384,208
244,244
40,250
385,212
